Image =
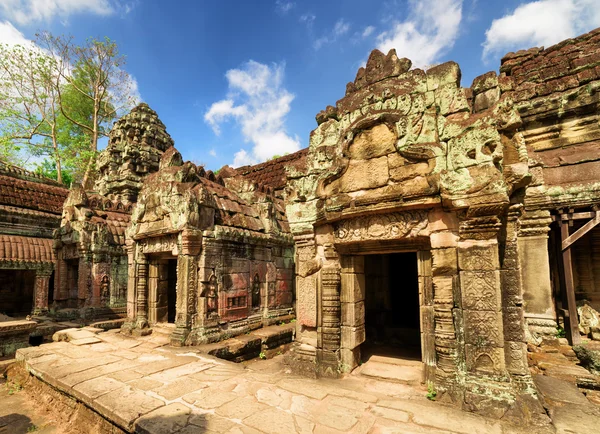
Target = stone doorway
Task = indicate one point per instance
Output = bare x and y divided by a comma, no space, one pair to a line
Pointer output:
162,285
392,311
16,292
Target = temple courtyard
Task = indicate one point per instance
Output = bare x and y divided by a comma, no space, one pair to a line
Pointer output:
105,382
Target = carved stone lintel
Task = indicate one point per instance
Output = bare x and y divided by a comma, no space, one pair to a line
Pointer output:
381,227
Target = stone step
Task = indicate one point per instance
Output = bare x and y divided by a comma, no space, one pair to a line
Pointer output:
405,374
395,361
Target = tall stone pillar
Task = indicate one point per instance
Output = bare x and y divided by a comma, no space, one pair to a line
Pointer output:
84,279
540,314
187,288
512,297
187,285
141,275
131,281
329,332
481,301
41,287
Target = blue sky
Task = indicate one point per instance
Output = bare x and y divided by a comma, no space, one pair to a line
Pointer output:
240,81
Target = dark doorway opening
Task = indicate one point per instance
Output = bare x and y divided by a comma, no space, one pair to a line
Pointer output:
171,289
51,290
16,292
392,309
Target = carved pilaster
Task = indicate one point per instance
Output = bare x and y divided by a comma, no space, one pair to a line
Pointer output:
141,272
84,279
40,295
187,289
534,262
330,332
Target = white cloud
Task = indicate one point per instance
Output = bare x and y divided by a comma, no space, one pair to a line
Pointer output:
29,11
11,36
543,22
309,19
340,28
258,103
431,28
284,7
212,153
367,31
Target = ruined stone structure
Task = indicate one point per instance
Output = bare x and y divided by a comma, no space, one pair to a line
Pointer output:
213,256
30,208
91,257
454,225
423,212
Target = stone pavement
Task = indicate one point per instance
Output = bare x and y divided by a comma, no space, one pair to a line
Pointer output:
141,385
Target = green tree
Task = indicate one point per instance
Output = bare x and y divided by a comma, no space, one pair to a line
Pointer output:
94,78
29,105
48,169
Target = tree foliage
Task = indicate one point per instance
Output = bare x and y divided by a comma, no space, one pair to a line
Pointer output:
57,99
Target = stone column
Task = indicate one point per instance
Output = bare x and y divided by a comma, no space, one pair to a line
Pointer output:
40,291
534,261
187,284
445,301
131,281
486,385
427,315
353,310
84,279
515,349
187,278
141,277
328,334
61,292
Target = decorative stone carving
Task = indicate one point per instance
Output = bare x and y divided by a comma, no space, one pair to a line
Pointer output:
388,226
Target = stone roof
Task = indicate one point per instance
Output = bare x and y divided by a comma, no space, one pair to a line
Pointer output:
538,72
25,249
23,189
272,173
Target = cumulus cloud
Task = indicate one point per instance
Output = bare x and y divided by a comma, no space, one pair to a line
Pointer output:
284,7
340,28
543,22
367,31
258,103
430,29
29,11
10,35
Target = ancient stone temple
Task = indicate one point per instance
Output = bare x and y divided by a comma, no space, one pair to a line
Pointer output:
30,208
421,219
91,271
211,255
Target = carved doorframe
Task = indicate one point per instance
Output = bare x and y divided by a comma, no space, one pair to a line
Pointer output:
353,292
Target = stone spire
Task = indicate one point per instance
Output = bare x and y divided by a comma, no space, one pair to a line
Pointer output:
136,143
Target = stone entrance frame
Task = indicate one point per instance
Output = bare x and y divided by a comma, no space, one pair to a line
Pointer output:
142,300
353,296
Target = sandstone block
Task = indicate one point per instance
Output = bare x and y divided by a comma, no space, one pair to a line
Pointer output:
440,220
444,261
372,143
306,304
365,174
352,337
441,240
353,264
473,256
353,314
352,287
